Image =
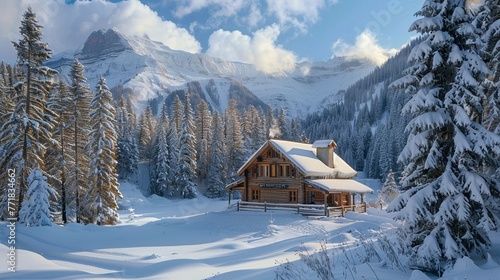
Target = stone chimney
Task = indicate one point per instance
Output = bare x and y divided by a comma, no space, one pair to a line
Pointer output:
324,151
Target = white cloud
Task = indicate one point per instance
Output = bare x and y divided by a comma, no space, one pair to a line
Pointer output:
67,26
288,13
254,16
298,13
366,47
225,8
260,49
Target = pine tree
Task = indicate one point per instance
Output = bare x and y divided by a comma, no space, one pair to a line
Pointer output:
296,129
284,125
161,165
173,178
28,127
127,155
177,113
58,159
161,159
100,203
7,93
235,145
80,110
216,173
488,20
35,210
259,131
146,134
270,122
389,190
203,135
187,153
444,202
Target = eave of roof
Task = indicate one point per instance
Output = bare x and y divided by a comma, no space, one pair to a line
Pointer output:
339,185
235,183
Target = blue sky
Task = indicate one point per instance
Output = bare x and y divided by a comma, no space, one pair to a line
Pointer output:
273,34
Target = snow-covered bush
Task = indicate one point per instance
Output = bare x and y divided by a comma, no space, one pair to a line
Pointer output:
35,210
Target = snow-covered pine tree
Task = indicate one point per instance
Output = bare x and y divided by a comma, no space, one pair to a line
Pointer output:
127,154
100,202
284,125
235,145
164,120
121,116
253,129
35,210
444,197
249,122
132,120
161,165
187,153
259,131
270,121
58,159
173,159
146,134
7,93
389,190
177,111
296,128
203,135
488,20
80,127
216,180
27,128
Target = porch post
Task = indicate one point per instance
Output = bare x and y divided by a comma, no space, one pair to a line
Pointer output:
326,204
362,197
229,196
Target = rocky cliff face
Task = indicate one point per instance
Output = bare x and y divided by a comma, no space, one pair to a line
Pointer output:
103,43
152,70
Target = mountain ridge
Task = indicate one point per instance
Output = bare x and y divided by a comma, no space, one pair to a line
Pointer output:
152,70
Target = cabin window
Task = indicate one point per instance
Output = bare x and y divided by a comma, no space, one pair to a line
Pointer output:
272,154
255,171
320,196
255,194
336,198
273,170
284,170
292,196
264,170
293,172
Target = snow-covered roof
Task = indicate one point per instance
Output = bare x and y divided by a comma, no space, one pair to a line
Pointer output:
303,156
340,185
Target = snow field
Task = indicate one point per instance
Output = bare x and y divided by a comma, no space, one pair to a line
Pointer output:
204,239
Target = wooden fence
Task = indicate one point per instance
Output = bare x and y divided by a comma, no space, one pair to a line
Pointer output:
303,209
339,211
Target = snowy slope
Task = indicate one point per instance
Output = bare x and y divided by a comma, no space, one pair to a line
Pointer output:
203,239
152,69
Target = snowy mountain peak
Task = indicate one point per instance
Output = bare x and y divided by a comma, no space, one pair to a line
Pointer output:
152,71
104,42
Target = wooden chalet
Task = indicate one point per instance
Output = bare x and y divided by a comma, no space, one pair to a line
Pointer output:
287,172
